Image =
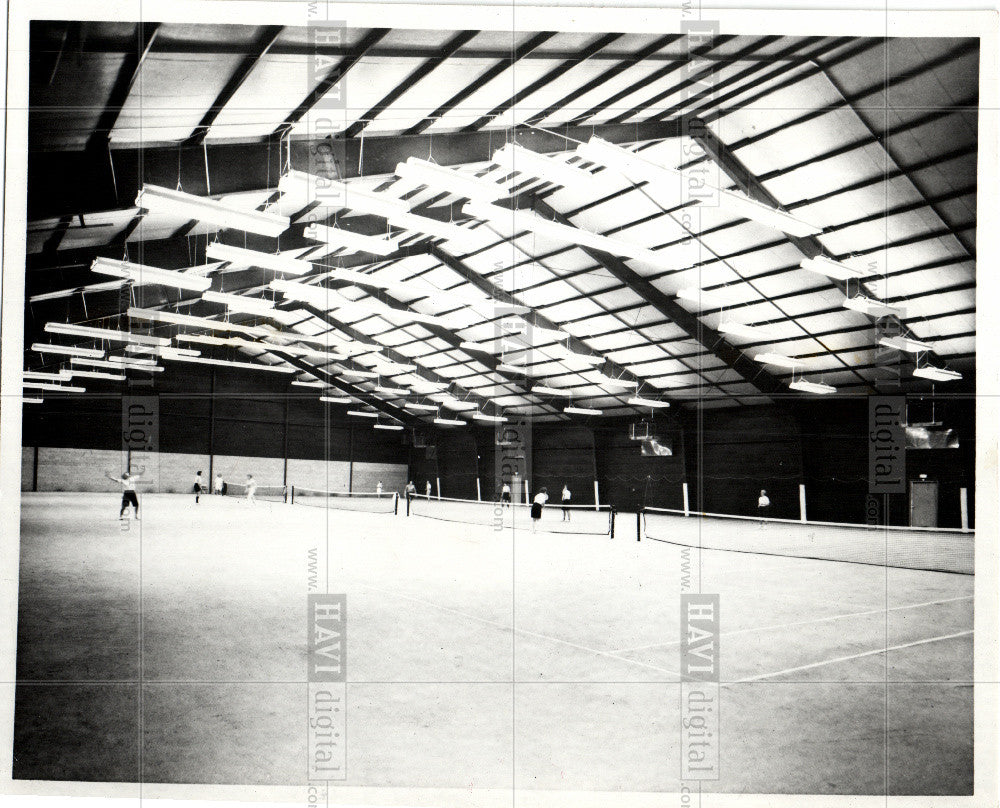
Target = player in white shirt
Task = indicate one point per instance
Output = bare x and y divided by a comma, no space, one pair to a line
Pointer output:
763,505
199,487
428,489
536,507
566,497
505,495
129,496
217,486
251,489
378,488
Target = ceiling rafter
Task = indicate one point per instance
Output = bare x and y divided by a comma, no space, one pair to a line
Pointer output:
128,74
264,42
568,64
448,50
520,52
712,340
333,77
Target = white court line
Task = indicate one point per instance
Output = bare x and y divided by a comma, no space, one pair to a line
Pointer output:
505,627
800,623
854,656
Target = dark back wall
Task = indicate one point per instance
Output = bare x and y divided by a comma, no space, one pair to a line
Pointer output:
726,459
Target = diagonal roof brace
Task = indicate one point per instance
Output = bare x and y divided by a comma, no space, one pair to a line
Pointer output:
709,338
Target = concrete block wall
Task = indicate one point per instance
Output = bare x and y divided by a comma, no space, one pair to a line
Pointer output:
78,469
325,476
267,471
367,475
173,473
168,472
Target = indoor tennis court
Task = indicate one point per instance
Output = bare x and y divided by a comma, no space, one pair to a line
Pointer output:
445,615
457,408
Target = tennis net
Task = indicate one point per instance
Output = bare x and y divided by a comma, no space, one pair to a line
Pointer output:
937,549
592,520
366,501
269,493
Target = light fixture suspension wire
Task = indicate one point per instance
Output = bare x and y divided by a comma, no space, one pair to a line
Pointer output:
208,180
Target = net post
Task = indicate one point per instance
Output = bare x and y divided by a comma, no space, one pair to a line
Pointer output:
408,500
802,502
284,494
597,497
293,495
638,525
395,503
687,506
613,514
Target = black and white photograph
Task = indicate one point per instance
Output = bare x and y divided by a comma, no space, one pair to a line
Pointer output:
470,405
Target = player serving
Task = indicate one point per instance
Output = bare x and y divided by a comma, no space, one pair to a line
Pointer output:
129,495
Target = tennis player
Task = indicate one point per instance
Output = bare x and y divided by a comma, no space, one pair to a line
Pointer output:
199,487
129,496
763,505
505,495
251,489
428,489
566,497
217,486
378,489
410,490
536,507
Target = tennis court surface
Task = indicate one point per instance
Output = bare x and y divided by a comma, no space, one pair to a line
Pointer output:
482,658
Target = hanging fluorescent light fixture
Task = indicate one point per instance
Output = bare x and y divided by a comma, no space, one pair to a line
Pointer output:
45,376
25,400
363,413
156,199
201,360
66,388
152,316
68,350
822,265
306,383
743,330
104,333
549,391
639,401
241,303
581,411
467,345
638,169
937,374
494,419
360,374
873,308
422,172
462,236
422,407
449,422
391,391
523,220
156,350
906,344
122,364
337,194
336,399
97,374
255,258
353,242
742,205
812,387
621,384
779,360
141,275
389,427
517,158
458,404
